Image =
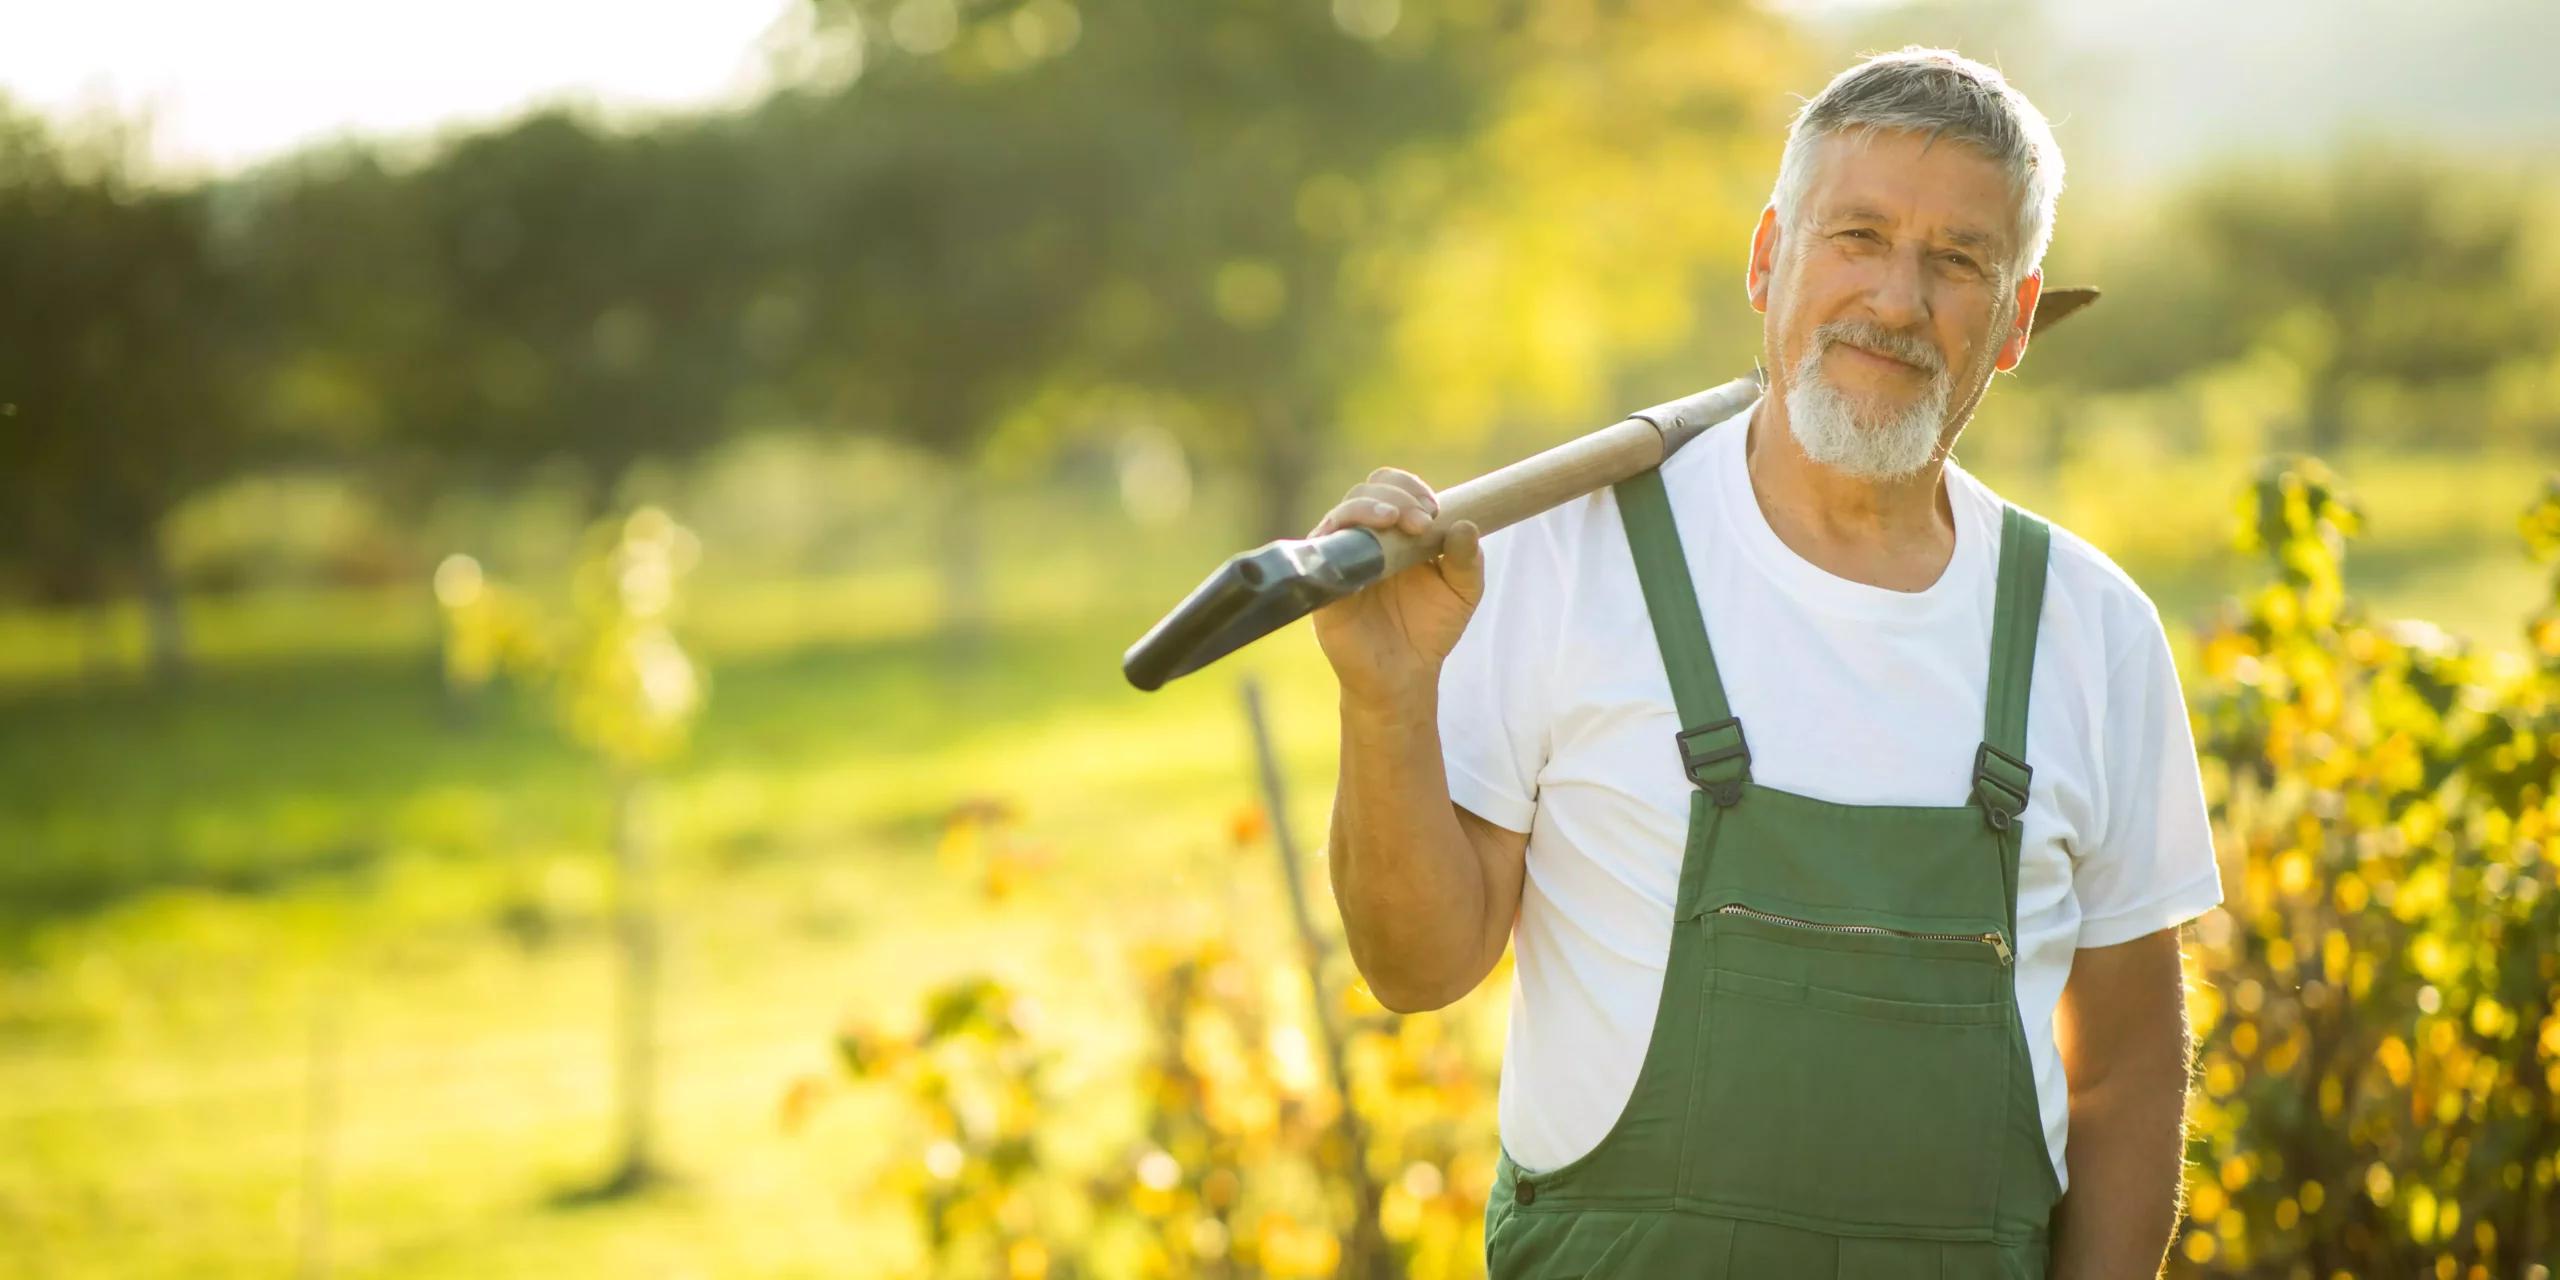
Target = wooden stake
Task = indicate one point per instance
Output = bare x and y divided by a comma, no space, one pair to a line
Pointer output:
319,1133
1368,1257
637,1030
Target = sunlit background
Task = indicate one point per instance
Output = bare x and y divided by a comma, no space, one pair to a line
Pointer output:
563,565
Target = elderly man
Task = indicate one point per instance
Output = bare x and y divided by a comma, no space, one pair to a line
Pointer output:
1841,816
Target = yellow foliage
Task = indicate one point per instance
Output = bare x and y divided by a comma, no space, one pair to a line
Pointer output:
488,629
628,691
2414,781
2293,873
1626,159
624,687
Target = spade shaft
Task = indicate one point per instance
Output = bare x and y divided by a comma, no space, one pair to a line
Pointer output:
1583,465
1274,585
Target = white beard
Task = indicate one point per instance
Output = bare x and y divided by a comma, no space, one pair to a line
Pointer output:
1834,433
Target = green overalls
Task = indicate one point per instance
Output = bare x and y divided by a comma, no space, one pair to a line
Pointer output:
1838,1081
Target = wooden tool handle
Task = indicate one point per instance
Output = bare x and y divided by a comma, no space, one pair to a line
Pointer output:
1578,466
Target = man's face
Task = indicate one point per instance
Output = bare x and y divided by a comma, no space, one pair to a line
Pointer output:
1890,301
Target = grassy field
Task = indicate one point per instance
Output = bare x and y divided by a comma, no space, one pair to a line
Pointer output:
302,879
193,880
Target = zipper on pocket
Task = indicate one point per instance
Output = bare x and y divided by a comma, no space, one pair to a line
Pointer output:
1999,945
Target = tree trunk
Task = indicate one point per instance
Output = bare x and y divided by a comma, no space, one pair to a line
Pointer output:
2326,431
164,614
1366,1255
319,1142
2055,454
636,912
963,561
98,649
1283,462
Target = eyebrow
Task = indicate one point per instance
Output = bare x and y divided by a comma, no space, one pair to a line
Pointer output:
1968,237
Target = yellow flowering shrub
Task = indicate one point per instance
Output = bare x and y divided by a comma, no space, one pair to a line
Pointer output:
2378,1045
1237,1160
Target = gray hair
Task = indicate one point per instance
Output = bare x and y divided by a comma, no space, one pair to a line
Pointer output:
1943,94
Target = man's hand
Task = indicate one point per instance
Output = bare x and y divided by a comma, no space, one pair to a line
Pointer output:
1387,642
2122,1029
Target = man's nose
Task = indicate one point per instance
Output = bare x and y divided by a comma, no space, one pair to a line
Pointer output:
1900,298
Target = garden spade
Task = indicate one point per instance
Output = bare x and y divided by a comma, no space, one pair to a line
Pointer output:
1271,586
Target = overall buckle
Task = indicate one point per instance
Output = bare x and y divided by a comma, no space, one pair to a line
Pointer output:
2000,783
1718,759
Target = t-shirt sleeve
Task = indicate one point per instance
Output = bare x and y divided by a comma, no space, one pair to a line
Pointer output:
1493,688
2152,866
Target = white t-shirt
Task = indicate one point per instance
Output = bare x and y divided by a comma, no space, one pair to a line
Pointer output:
1556,719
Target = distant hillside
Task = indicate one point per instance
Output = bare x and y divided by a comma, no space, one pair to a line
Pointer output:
2152,88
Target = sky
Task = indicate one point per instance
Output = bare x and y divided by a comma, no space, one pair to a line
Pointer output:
2147,89
226,83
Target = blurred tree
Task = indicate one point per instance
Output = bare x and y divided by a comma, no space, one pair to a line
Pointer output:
1581,254
119,373
1130,190
592,286
1268,209
1383,216
1122,185
941,237
345,298
541,292
2402,292
1254,136
627,691
1267,206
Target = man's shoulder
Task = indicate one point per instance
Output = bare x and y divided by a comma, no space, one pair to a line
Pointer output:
2085,580
2082,567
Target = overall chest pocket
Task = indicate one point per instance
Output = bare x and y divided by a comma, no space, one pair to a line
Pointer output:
1852,1082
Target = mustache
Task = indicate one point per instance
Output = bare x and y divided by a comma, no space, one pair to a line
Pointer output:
1883,341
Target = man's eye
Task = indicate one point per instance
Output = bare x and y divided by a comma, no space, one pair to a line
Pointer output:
1960,262
1861,233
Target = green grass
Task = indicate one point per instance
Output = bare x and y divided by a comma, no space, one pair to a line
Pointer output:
189,877
189,880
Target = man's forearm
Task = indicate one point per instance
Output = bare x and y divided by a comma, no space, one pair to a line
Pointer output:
2125,1160
2127,1054
1409,883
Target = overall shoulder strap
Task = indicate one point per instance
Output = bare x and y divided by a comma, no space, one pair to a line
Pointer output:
2001,774
1712,748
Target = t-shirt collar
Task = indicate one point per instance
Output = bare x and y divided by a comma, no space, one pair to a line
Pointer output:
1724,480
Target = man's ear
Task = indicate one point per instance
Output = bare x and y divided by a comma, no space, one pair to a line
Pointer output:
2013,347
1764,259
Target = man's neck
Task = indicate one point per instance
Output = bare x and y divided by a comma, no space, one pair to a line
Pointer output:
1896,534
